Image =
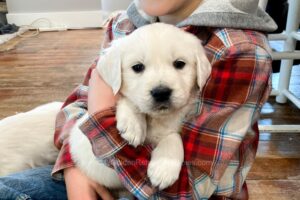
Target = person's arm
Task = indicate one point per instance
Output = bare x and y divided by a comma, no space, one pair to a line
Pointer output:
74,107
79,186
225,130
100,95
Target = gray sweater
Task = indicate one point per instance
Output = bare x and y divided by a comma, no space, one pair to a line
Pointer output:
241,14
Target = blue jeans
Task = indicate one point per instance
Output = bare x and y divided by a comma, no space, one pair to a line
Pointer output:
33,184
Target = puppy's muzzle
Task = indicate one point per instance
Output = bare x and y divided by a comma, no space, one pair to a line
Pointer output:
161,94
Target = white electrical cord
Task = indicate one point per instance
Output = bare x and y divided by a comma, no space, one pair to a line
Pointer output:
33,26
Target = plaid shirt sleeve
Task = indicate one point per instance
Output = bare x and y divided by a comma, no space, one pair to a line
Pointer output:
220,142
75,105
73,108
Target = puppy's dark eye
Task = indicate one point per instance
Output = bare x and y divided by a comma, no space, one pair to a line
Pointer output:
178,64
138,68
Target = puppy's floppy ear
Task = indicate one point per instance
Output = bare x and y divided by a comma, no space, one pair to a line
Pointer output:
109,67
203,67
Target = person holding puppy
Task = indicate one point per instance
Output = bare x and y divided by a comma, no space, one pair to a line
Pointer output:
220,144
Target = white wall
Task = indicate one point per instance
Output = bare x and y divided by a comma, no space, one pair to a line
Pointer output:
38,6
113,5
62,13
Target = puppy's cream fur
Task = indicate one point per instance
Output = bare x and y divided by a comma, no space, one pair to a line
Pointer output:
26,139
139,118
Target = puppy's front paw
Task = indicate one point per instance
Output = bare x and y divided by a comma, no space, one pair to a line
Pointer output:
132,129
163,172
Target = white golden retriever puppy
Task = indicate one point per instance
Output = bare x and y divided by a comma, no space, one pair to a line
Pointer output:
157,70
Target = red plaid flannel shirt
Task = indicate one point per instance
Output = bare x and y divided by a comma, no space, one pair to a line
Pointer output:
219,144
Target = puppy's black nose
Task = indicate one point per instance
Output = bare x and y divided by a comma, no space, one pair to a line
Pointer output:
161,94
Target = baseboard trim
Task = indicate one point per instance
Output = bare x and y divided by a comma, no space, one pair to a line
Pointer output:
69,20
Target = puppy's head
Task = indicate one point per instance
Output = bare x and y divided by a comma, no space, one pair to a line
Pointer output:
156,67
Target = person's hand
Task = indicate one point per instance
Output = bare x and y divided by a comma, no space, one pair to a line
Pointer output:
81,187
100,95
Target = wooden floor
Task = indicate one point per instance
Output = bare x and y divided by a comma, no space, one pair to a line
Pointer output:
46,68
